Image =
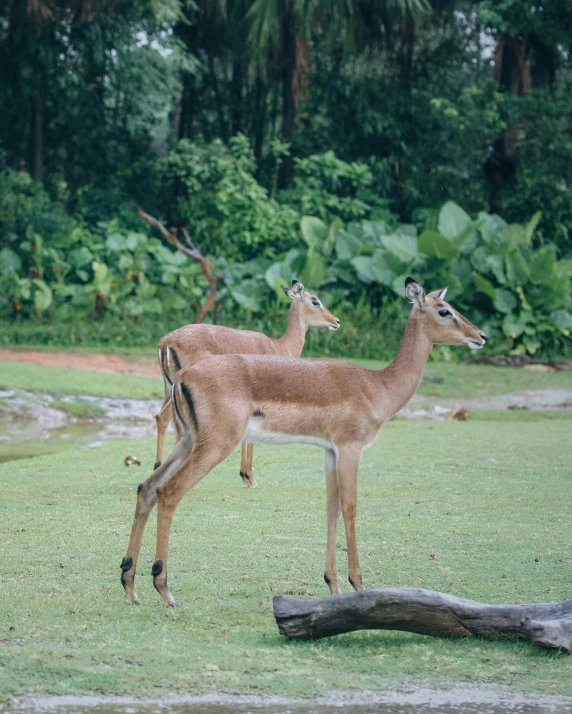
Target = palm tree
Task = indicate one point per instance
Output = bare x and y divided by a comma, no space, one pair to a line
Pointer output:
283,28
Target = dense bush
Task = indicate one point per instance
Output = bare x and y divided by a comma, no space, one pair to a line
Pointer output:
63,281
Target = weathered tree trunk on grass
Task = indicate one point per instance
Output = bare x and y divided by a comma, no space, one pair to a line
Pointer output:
425,612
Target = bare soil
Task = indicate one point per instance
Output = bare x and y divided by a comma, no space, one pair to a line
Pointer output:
140,365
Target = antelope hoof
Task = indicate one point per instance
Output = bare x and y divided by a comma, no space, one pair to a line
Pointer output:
128,581
248,481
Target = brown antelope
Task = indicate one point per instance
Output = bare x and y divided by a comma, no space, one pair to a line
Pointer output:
333,404
191,343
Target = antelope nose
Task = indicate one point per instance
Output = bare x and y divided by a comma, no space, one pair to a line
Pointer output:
339,323
483,336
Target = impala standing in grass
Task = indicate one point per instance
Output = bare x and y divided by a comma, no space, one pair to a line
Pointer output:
333,404
191,343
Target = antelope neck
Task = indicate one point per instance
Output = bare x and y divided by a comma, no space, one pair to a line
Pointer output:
292,341
402,376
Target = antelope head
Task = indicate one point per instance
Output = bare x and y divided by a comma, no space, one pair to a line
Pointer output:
312,310
442,323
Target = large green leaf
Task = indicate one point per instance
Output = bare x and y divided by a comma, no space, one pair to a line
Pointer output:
484,286
403,247
505,301
364,268
496,267
564,268
42,296
514,236
9,262
380,269
116,242
453,220
516,268
480,259
531,225
513,325
542,265
436,245
244,299
314,232
278,274
490,227
347,245
563,320
314,271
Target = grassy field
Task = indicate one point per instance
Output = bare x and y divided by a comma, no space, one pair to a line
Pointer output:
60,380
455,380
479,509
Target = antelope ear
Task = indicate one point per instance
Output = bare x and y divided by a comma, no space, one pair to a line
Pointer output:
442,293
414,293
297,289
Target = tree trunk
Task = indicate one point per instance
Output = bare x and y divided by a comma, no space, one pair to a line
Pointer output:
260,95
425,612
288,32
236,95
37,125
185,125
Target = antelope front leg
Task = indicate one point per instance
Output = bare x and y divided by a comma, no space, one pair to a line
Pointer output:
248,480
333,514
146,499
347,466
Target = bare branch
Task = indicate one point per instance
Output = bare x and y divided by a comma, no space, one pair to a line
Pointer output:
194,253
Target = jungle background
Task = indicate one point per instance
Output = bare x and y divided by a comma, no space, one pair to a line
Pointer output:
346,143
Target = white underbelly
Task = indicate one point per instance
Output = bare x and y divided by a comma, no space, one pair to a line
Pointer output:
255,435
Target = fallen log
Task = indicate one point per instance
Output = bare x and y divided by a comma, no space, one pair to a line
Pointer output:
424,612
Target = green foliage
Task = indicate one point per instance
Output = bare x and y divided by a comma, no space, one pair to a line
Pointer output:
211,187
506,277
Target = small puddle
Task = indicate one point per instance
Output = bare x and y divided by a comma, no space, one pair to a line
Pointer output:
460,700
36,424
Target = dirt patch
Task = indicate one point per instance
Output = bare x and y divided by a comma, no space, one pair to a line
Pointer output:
141,366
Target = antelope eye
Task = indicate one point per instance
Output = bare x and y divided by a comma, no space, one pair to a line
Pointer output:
444,313
316,303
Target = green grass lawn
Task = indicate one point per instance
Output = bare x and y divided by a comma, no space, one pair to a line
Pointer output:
61,380
479,509
458,380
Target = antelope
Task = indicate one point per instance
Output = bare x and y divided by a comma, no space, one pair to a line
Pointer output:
191,343
278,400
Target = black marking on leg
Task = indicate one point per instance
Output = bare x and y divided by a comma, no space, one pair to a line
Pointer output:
352,583
327,579
156,570
157,464
175,357
258,413
174,399
126,564
165,367
187,394
139,488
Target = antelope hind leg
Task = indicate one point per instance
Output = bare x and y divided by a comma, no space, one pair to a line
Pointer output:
146,499
194,467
